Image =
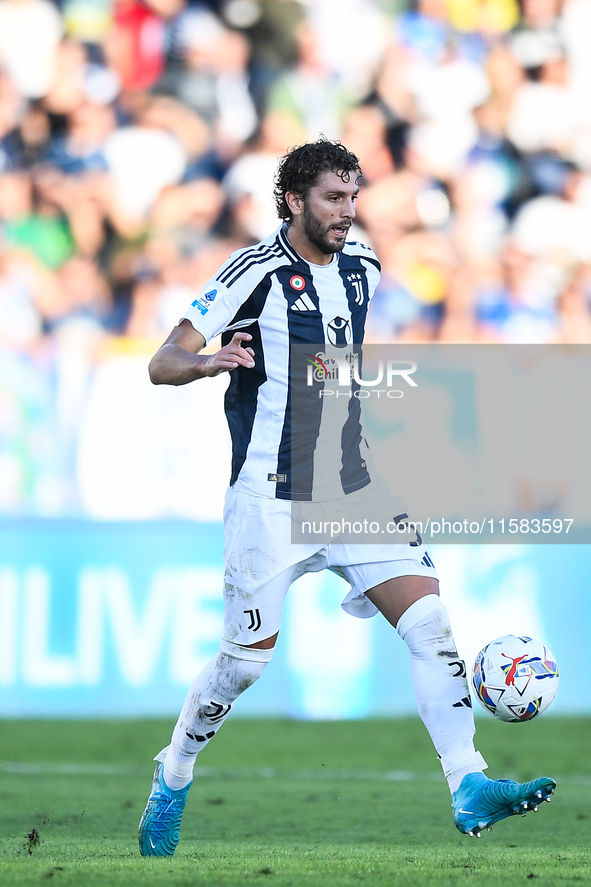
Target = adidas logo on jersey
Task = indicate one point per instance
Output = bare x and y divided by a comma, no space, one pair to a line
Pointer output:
304,303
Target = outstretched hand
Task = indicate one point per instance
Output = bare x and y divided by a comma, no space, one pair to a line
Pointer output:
229,357
179,361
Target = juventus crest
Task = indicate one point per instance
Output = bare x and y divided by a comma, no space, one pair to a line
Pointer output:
356,281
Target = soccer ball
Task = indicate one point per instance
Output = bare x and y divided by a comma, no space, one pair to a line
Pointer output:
515,678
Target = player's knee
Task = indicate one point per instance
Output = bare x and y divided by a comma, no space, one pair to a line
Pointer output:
426,624
247,654
243,665
265,643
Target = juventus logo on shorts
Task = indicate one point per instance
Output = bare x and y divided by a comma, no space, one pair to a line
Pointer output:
255,619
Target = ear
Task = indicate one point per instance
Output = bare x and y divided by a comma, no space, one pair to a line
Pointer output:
295,203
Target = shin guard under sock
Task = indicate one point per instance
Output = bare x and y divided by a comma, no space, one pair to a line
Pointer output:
207,705
440,685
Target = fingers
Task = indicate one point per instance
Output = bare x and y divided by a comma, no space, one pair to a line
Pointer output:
231,361
240,337
237,356
244,356
232,355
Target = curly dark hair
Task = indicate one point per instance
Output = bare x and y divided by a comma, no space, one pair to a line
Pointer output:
302,166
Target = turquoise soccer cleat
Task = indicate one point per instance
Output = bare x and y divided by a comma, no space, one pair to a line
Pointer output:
479,802
160,825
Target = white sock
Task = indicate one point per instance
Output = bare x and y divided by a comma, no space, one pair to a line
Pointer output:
207,706
441,688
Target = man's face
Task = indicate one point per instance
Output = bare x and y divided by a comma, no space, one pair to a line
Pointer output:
328,211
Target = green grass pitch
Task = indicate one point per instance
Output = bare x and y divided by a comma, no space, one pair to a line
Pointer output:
279,802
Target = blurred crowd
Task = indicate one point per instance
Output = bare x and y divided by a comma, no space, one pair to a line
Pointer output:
139,138
138,141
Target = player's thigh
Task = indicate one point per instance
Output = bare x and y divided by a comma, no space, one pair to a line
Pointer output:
388,586
253,612
260,565
394,596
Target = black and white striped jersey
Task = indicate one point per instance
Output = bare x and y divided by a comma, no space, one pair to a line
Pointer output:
271,292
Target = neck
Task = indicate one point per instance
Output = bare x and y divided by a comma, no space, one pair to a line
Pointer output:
305,249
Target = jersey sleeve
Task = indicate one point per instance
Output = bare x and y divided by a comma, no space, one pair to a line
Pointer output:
372,267
222,297
213,309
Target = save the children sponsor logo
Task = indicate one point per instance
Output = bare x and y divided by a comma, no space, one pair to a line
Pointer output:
339,372
339,332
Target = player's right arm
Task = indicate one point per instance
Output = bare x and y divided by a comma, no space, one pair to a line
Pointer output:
179,361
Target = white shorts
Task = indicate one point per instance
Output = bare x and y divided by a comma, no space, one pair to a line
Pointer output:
261,563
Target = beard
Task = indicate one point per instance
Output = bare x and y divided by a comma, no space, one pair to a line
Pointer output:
318,234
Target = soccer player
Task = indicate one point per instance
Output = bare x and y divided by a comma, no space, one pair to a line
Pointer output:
305,284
